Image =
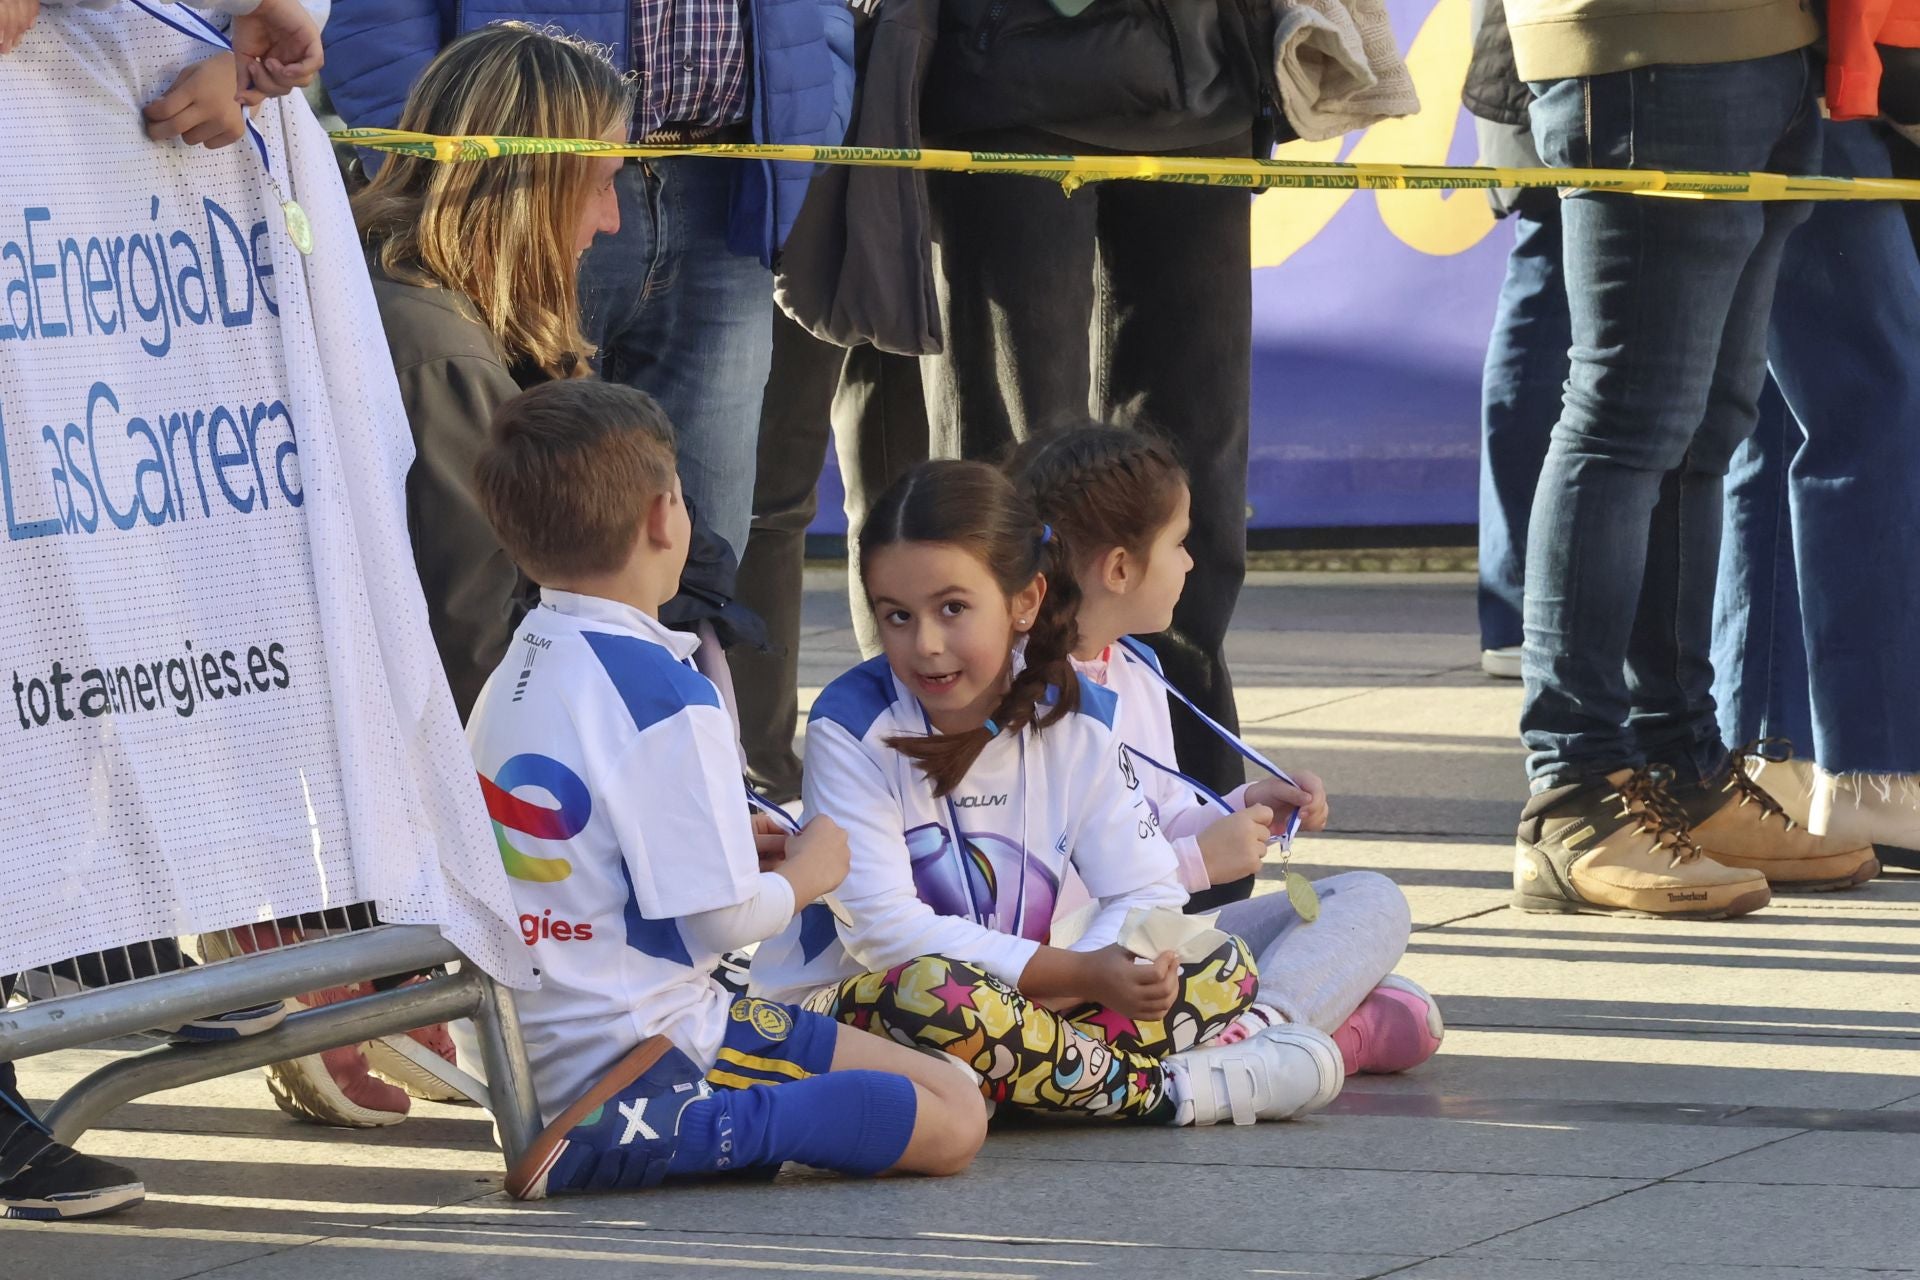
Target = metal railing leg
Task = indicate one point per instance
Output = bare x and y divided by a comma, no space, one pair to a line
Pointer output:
516,1111
439,999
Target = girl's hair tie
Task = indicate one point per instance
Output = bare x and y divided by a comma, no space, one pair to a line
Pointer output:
993,729
1046,534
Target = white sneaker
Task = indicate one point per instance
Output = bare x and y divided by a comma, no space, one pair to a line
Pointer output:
1280,1073
1501,664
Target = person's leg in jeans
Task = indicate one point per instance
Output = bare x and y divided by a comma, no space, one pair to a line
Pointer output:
1520,388
1819,654
1759,656
679,316
1665,372
1842,348
1668,302
1174,332
1669,656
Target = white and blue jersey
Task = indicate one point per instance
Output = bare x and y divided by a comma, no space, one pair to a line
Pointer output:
974,876
1144,725
612,777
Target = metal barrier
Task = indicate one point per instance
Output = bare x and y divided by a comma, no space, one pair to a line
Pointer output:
69,1018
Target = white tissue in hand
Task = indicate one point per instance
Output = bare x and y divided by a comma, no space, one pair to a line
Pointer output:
1150,931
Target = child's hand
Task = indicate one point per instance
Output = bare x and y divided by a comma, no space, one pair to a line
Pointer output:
1234,846
279,48
16,19
200,108
1130,988
1310,798
816,860
769,841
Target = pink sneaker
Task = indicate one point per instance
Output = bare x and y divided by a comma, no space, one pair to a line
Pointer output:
1396,1027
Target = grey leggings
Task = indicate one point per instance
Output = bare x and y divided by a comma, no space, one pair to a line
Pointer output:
1319,973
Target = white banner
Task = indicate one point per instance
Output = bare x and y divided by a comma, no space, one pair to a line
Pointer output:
221,703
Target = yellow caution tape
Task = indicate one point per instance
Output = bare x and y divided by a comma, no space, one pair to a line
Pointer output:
1253,175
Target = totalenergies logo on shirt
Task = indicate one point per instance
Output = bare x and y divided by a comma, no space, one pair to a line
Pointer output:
511,813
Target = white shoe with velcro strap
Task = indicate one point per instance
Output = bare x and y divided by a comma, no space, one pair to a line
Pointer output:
1277,1074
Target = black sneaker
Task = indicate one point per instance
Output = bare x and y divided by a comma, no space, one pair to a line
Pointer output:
59,1182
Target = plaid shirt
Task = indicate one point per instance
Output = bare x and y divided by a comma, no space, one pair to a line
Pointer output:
691,58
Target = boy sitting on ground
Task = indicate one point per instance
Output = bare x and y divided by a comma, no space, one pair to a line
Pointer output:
613,779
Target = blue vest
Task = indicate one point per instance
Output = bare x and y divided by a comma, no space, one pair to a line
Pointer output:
801,75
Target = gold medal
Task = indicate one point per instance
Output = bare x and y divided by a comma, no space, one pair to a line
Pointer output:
1300,893
299,230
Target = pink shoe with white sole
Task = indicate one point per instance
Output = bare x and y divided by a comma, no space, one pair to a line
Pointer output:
1397,1027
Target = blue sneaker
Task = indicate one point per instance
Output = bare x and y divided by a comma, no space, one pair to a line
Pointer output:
620,1135
218,1027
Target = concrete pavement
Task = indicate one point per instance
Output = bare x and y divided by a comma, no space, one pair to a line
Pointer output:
1631,1099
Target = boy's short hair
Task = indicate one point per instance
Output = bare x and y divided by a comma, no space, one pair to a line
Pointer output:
568,473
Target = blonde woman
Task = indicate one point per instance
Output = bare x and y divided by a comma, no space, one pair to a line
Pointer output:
474,268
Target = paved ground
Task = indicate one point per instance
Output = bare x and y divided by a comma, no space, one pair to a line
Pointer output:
1660,1102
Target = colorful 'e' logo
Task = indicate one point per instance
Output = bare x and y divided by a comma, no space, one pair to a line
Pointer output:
510,813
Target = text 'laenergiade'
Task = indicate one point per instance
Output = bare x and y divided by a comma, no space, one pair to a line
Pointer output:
64,286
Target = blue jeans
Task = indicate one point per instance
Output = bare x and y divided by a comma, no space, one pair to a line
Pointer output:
1830,483
677,315
1520,390
1669,301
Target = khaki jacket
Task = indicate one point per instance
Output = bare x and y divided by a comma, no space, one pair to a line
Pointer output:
1556,39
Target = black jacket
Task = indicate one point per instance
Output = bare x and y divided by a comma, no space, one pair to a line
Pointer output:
1494,90
1128,74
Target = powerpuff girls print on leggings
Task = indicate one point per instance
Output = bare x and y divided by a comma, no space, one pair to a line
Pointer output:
1089,1059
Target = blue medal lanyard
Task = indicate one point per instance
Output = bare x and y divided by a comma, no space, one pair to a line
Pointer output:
195,27
985,918
1142,656
780,816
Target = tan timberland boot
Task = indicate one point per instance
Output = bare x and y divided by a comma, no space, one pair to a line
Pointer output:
1620,847
1740,824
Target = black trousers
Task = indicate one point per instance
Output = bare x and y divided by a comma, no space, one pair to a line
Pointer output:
1130,302
870,404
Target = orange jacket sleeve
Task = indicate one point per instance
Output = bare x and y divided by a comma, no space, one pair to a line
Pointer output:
1854,27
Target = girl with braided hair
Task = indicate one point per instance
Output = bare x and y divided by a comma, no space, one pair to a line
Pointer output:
973,771
1117,503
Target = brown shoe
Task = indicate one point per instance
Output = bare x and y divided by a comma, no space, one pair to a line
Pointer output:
1740,824
1620,847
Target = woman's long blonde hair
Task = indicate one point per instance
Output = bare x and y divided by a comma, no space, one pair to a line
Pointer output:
500,231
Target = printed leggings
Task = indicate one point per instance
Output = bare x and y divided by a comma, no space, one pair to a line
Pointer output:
1090,1059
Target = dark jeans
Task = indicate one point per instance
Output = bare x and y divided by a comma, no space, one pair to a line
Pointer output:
1669,303
677,315
1132,302
1818,616
1906,164
1520,389
877,413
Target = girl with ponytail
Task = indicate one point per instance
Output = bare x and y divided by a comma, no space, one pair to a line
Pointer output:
973,771
1117,503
